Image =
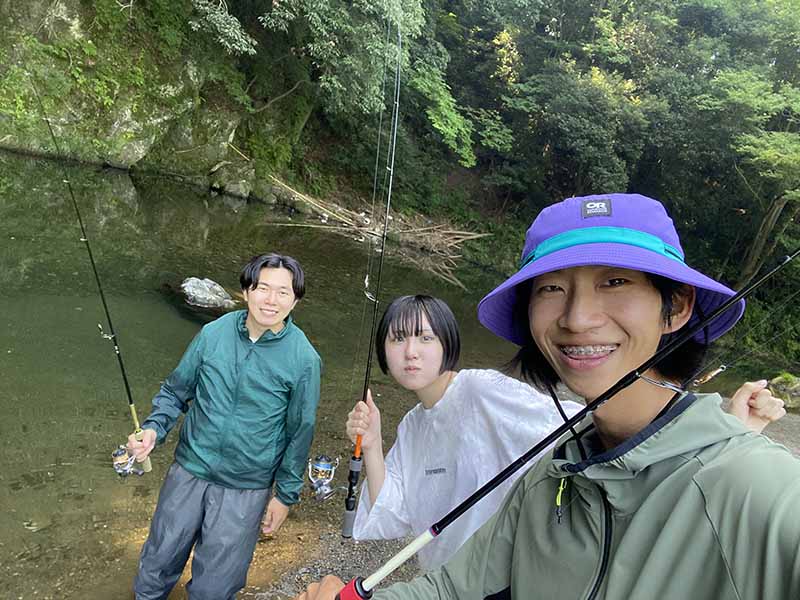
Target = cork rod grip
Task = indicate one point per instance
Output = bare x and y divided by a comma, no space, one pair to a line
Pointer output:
146,464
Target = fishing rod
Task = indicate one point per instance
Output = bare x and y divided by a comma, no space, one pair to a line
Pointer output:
111,335
702,376
356,461
361,589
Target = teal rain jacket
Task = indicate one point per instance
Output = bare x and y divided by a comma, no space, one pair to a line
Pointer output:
250,406
693,506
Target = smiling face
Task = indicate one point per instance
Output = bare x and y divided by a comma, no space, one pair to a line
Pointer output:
269,302
414,358
595,324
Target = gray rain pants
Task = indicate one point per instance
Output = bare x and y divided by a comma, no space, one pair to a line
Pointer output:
222,524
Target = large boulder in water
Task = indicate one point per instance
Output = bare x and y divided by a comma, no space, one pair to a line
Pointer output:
787,386
199,299
206,294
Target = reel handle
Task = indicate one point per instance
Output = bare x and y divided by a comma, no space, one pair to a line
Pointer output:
354,590
146,464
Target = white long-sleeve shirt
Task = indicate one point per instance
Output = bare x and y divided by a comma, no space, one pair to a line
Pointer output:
484,421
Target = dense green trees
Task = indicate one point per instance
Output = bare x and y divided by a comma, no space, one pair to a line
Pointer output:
507,105
693,101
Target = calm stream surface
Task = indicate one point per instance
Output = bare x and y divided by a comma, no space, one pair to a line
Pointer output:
69,527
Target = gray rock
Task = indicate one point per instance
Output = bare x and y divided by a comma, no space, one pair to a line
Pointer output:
206,293
263,192
198,141
53,19
788,388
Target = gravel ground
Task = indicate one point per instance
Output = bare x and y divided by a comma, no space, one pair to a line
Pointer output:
345,559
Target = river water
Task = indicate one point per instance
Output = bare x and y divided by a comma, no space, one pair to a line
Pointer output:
69,527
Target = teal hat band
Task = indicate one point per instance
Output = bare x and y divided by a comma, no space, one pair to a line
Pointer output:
602,235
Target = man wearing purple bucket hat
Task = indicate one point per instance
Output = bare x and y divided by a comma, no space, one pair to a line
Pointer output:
659,494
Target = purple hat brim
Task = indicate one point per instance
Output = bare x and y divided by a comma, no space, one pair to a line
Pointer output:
497,309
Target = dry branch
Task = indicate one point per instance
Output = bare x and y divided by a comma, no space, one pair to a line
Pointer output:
432,248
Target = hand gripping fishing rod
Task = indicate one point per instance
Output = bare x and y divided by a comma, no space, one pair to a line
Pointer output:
361,589
111,336
356,460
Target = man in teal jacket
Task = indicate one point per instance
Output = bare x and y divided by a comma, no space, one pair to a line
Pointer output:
659,494
249,386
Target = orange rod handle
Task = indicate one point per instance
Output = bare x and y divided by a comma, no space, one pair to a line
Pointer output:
357,451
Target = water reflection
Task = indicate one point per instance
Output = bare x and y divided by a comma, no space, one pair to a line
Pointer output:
69,527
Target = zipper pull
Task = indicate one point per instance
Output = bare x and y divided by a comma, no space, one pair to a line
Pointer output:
561,487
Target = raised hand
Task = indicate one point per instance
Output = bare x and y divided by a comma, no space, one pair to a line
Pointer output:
755,406
365,420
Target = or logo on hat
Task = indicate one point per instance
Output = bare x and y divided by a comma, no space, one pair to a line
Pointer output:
596,208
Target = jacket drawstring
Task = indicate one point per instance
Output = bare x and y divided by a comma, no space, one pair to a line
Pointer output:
561,487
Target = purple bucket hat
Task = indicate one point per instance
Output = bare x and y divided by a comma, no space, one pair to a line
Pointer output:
618,230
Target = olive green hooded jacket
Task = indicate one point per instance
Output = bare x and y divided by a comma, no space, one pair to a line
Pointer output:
694,506
250,406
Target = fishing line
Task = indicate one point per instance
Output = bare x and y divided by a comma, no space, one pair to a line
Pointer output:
727,366
356,459
361,589
368,296
696,380
112,335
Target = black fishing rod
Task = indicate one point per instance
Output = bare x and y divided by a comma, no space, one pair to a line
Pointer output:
112,335
356,460
702,376
361,589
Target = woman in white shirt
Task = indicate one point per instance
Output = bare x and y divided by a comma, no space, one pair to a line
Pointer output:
468,426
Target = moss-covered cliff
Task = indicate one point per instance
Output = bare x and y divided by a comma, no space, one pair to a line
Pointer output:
134,86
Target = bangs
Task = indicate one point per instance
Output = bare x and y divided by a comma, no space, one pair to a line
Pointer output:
407,320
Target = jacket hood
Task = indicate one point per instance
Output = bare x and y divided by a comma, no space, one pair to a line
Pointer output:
694,422
629,472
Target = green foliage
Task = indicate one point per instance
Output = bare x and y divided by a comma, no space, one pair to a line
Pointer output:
229,78
509,60
15,96
350,45
444,116
214,18
745,97
276,141
493,133
164,21
167,19
776,155
591,125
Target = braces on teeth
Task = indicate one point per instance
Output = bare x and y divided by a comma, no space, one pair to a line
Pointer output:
587,350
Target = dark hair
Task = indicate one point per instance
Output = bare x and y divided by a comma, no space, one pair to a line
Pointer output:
404,315
678,366
251,272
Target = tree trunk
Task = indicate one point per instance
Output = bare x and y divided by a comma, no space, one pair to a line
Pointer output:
786,222
755,253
